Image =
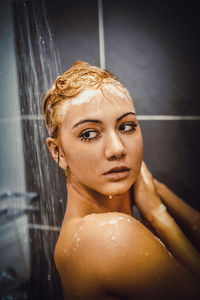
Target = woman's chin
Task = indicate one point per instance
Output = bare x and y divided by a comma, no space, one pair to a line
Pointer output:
105,189
117,189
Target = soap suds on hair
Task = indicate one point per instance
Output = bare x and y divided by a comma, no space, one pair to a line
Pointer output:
116,90
88,94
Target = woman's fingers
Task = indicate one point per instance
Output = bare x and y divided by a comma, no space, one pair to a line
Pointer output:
145,179
145,194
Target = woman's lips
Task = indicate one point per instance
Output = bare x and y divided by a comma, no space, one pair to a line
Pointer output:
117,174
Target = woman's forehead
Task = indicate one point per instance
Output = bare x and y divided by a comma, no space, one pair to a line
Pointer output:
98,107
93,100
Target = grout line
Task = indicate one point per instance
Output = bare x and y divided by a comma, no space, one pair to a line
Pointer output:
139,117
32,117
22,118
44,227
101,36
166,117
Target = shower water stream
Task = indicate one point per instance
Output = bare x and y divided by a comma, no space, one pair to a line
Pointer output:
38,67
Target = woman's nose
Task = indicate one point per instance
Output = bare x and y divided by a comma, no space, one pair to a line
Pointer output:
114,147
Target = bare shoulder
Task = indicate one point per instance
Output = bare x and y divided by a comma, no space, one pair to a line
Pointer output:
120,256
116,232
113,231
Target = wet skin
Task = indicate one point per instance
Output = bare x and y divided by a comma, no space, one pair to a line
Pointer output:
92,148
102,251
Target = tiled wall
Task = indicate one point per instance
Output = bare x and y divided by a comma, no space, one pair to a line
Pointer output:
153,48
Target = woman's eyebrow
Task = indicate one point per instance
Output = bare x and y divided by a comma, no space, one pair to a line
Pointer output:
126,114
85,121
100,122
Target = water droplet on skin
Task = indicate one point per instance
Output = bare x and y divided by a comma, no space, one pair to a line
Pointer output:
102,224
77,242
113,222
160,241
113,238
81,227
162,207
129,220
170,254
120,218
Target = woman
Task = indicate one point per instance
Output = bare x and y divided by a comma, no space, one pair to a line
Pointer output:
103,251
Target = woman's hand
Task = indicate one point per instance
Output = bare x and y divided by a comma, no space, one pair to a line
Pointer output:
145,194
186,216
151,206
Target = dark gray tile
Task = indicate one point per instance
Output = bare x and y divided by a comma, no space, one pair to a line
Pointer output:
75,28
153,48
172,153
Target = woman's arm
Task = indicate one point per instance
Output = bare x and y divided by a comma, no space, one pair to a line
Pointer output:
187,216
151,206
175,240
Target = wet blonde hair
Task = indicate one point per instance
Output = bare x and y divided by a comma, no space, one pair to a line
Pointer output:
81,75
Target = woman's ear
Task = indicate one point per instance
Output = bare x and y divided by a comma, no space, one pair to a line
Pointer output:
56,152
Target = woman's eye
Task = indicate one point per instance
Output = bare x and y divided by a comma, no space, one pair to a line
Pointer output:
127,127
89,135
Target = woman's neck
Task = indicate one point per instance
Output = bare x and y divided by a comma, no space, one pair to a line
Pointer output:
82,201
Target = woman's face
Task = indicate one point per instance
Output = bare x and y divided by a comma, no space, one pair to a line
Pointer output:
99,134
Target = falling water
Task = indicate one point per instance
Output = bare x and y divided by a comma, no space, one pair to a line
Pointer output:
39,65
